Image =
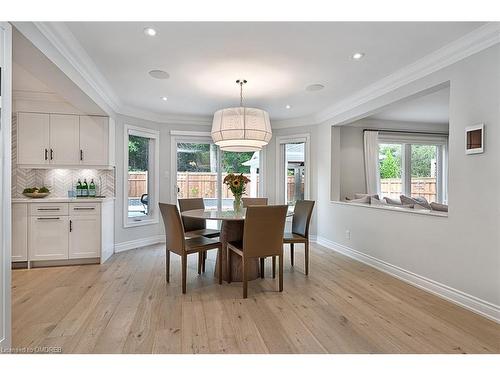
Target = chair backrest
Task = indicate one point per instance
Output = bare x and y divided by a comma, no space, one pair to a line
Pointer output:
302,217
254,202
190,223
174,229
263,230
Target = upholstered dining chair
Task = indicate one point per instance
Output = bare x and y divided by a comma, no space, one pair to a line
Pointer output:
300,231
196,227
180,245
254,202
262,237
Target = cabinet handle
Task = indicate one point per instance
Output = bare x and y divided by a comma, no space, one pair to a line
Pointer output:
46,154
71,225
81,155
48,218
83,208
48,209
51,154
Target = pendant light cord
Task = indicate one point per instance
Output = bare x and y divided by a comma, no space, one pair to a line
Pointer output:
241,82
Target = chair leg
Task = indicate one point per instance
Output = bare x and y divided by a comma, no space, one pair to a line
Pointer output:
274,267
219,253
203,264
261,268
167,267
184,271
281,272
200,261
292,253
306,256
245,277
228,266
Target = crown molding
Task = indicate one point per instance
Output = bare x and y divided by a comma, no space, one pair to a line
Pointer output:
473,42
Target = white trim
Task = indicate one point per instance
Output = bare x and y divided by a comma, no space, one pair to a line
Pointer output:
477,305
5,183
153,217
141,242
300,137
471,43
188,133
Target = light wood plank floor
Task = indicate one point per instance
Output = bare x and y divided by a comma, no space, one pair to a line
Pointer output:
125,306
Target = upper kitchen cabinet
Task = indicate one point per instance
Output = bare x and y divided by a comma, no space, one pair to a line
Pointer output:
64,141
33,145
94,140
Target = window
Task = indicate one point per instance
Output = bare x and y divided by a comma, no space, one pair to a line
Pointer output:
141,184
201,167
292,177
413,165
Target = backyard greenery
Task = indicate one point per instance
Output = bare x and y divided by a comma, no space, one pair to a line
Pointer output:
422,158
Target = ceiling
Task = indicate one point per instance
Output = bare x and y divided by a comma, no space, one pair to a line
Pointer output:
279,59
430,108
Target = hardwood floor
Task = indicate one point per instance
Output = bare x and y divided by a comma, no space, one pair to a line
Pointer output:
124,306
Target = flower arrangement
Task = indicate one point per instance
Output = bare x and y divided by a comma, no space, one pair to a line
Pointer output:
237,184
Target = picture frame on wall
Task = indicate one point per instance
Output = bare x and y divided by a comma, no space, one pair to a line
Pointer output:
474,139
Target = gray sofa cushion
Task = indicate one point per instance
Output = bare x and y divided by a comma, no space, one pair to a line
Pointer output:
362,195
439,207
418,200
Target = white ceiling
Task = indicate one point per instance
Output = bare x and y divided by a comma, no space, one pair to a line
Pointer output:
278,59
430,108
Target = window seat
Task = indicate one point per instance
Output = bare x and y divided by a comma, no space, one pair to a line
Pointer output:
394,208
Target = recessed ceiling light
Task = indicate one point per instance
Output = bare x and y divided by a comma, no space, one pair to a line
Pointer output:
288,106
358,55
315,87
159,74
164,98
149,31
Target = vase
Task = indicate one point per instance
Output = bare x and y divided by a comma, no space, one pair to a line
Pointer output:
237,203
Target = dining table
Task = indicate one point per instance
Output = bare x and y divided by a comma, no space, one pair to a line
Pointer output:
232,225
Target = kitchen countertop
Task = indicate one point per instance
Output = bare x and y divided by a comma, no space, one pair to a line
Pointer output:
60,200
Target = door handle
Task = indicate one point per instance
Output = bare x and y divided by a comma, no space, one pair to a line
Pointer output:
83,208
46,154
71,225
81,155
51,154
48,218
48,209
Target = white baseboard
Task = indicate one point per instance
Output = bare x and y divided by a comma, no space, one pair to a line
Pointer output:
134,244
477,305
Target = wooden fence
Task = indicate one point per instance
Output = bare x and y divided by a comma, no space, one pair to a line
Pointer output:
196,185
422,186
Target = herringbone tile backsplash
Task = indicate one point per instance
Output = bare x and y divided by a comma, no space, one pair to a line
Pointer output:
59,181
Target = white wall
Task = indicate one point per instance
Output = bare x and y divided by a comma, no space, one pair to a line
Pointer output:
462,251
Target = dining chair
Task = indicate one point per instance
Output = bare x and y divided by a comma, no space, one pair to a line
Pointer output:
300,231
262,237
196,227
177,243
254,202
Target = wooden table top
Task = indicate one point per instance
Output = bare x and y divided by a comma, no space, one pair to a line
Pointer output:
222,215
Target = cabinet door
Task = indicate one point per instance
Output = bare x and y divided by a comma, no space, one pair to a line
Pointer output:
48,237
64,140
84,237
32,138
94,140
19,232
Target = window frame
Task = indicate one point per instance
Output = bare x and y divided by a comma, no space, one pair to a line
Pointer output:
177,136
280,164
406,140
153,190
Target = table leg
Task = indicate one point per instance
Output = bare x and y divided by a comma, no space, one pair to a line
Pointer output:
233,231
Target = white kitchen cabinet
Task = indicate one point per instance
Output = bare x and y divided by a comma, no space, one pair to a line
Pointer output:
48,238
84,239
33,145
64,139
94,140
19,232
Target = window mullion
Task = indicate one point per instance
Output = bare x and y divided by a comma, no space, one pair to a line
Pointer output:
407,169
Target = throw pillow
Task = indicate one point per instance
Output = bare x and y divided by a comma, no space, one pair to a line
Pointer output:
361,200
362,195
393,202
377,202
418,200
439,207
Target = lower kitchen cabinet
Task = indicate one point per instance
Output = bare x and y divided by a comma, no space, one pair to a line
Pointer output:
19,232
48,237
83,241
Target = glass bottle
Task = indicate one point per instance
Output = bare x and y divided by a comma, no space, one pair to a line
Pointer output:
85,188
92,188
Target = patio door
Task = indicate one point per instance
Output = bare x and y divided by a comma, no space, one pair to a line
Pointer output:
200,168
